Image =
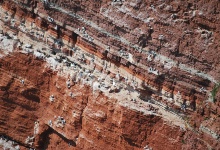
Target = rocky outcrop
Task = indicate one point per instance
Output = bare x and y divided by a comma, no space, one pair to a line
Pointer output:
57,57
91,121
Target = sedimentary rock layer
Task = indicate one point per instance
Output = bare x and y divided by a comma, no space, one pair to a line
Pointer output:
58,55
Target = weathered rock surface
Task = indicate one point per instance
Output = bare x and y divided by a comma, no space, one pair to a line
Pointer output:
92,122
165,52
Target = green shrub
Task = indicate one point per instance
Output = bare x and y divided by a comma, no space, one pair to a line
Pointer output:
183,141
215,90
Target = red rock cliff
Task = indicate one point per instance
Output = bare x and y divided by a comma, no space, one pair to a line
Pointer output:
109,75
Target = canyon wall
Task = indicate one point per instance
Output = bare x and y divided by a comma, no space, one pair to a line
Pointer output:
109,75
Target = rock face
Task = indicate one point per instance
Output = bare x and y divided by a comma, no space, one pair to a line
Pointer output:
109,75
91,121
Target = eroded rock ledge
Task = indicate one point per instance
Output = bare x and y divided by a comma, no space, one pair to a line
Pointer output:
110,75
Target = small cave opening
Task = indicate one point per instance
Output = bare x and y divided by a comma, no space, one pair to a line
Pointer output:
74,37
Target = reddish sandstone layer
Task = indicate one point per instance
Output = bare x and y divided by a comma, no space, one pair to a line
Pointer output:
99,123
191,31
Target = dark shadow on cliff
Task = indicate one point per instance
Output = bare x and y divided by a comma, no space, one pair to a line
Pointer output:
31,94
45,140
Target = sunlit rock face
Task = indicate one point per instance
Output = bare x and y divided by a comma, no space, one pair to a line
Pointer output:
109,74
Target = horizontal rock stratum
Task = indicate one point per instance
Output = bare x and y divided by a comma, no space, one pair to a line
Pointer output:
109,74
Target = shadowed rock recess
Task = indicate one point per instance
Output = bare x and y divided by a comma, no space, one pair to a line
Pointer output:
109,75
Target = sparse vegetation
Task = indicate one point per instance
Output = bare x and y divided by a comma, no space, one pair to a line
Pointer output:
206,118
214,91
183,141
